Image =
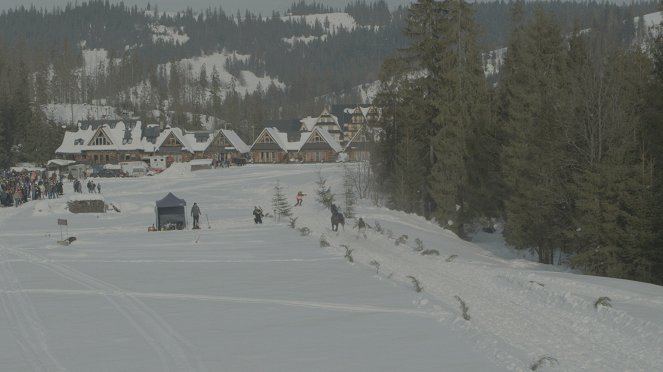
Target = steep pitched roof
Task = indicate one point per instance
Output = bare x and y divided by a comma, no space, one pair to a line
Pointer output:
237,142
122,136
325,135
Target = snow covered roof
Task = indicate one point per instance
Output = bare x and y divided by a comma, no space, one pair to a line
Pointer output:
280,138
237,142
325,135
308,123
102,135
60,162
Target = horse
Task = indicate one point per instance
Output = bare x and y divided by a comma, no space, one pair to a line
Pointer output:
336,219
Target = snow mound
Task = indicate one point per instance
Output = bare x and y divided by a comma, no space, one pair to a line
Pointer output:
176,170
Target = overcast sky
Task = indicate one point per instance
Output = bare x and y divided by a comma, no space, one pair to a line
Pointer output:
264,7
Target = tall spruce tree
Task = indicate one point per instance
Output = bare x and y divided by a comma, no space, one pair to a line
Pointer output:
461,106
535,163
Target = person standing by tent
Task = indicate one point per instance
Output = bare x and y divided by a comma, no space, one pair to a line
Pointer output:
195,212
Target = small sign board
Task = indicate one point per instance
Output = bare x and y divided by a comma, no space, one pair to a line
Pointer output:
62,221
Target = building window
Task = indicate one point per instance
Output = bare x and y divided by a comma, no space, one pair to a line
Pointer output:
101,141
107,158
127,156
266,139
173,141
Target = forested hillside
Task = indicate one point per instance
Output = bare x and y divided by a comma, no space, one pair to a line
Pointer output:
158,66
564,149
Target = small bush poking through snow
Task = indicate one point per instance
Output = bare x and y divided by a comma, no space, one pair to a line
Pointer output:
401,239
603,301
451,258
323,241
348,253
430,252
292,222
417,285
375,264
420,245
543,360
304,231
464,308
535,282
378,227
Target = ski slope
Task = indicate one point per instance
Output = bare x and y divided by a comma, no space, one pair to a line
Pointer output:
235,296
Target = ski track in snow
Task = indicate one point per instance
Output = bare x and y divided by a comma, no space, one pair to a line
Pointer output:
242,300
26,325
174,352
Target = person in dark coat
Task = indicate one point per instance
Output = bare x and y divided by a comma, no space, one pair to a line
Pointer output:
195,213
257,215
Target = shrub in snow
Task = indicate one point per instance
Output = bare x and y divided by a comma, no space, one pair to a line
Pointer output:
375,264
292,222
401,239
430,252
348,253
542,361
603,301
464,308
417,285
535,282
420,245
304,231
378,228
451,258
323,241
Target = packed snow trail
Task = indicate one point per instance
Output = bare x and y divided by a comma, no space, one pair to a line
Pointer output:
518,309
241,296
175,353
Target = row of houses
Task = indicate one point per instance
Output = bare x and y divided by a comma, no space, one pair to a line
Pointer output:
346,130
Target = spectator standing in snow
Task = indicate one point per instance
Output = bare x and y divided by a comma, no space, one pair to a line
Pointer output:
257,215
99,188
299,198
195,212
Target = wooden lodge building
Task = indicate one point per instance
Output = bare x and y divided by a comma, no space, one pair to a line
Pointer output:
345,129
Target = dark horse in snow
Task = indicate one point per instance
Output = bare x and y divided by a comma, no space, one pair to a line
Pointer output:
337,218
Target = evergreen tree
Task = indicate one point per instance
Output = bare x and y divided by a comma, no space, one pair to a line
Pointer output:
461,106
350,199
615,184
280,203
324,194
536,161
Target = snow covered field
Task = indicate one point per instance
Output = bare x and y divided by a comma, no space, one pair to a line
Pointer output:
245,297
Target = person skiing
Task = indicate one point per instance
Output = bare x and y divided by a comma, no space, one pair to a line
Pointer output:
257,215
299,198
195,212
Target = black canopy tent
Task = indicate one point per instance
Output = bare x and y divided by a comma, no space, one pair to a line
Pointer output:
171,213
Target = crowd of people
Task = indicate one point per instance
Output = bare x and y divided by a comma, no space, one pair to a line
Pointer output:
17,188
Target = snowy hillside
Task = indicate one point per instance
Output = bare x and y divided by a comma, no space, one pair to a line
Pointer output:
235,296
248,82
72,113
330,22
